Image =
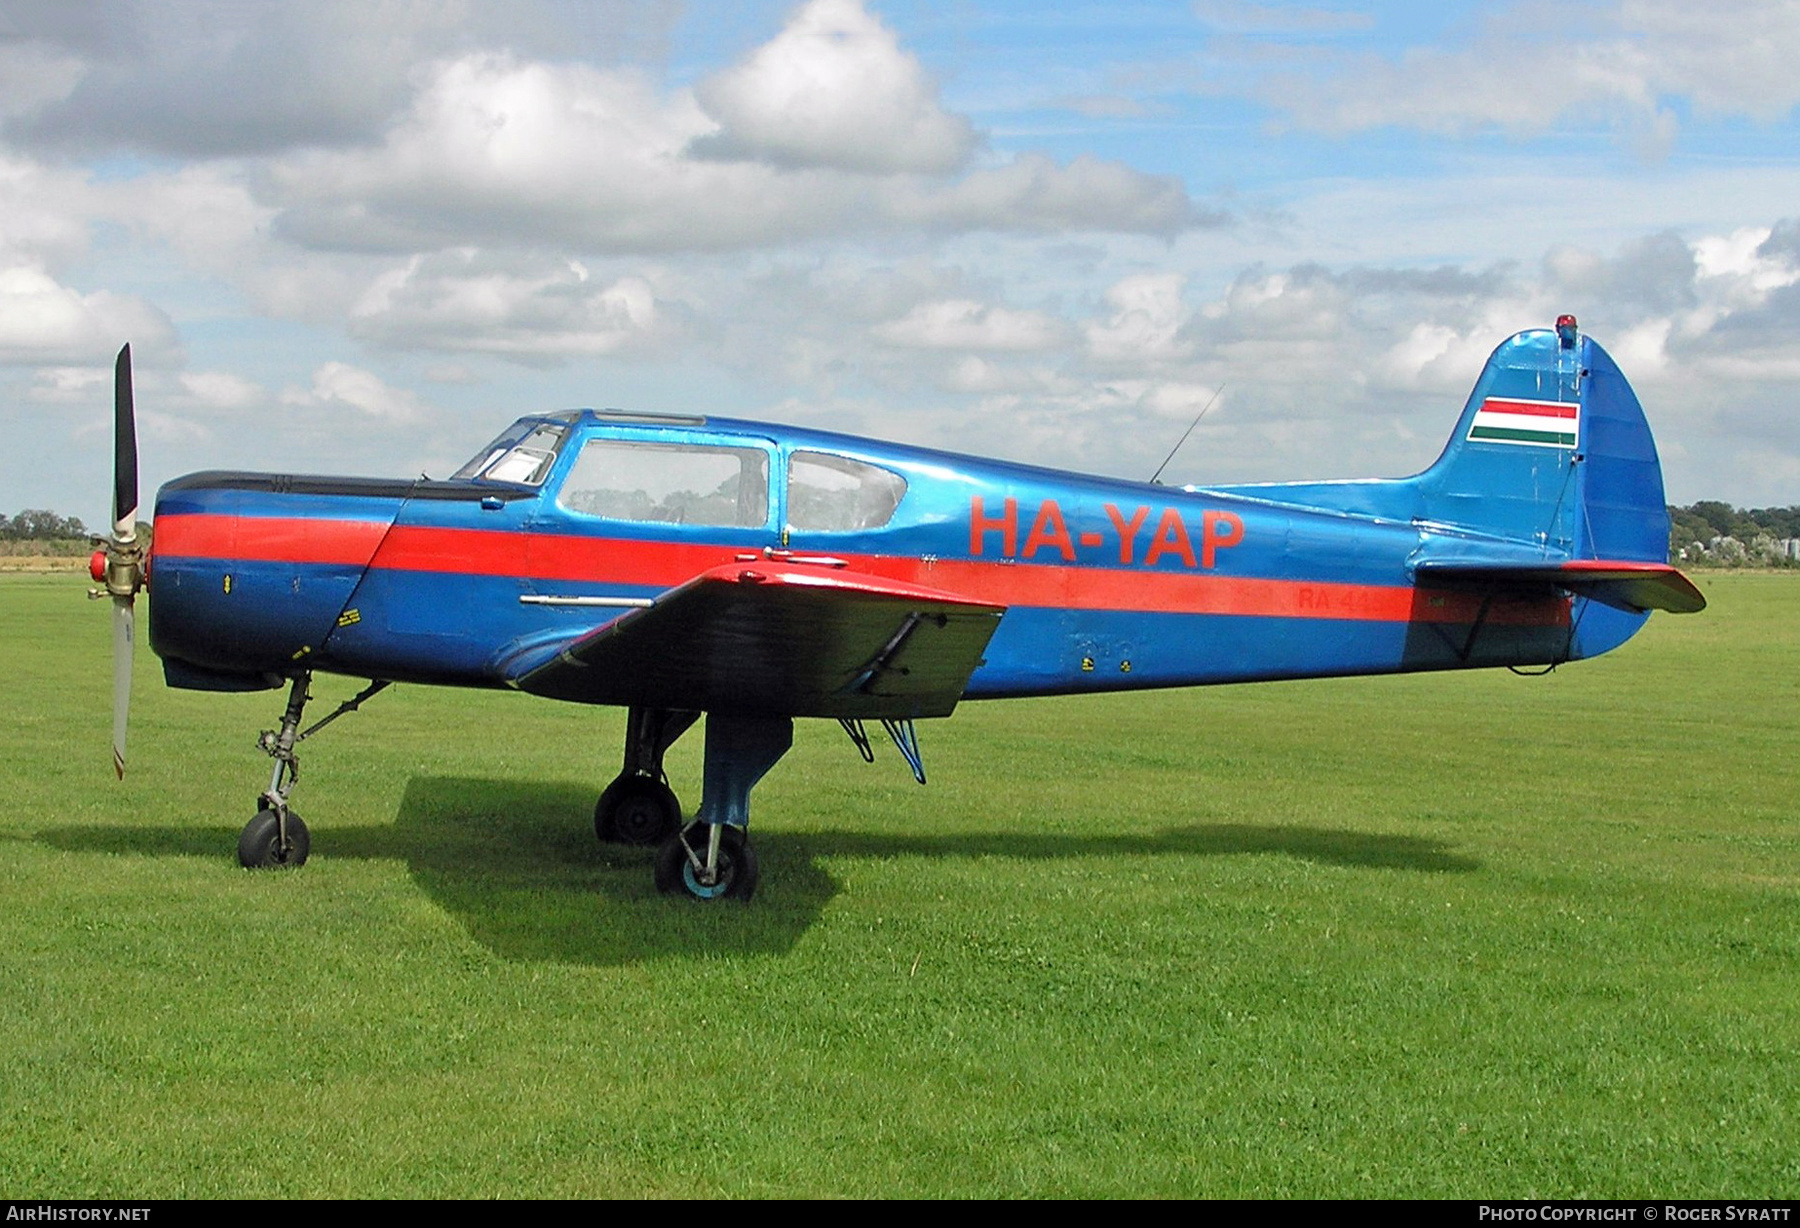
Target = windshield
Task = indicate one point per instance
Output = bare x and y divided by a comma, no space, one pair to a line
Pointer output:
522,453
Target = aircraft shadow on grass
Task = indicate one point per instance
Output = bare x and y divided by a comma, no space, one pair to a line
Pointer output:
517,865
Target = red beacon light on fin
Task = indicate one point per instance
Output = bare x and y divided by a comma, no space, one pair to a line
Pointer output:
1566,331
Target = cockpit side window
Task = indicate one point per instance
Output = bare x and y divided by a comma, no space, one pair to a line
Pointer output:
667,483
518,455
829,493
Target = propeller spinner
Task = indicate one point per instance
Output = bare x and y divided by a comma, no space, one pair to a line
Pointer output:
120,565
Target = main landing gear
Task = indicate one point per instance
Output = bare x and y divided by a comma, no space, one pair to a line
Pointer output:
710,857
638,807
276,837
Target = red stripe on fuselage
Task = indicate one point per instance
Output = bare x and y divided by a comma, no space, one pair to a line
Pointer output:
664,565
268,539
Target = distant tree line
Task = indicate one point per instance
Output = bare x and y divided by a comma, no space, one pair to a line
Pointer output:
38,525
1710,533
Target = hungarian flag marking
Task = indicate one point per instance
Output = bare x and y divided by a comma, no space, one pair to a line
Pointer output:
1542,423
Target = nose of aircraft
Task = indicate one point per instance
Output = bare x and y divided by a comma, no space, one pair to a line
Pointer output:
253,571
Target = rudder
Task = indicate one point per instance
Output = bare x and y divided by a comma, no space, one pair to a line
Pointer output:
1553,450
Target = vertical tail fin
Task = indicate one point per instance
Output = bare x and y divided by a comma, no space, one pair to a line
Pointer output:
1551,477
1552,449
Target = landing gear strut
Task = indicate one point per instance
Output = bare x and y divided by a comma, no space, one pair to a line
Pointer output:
638,807
711,857
276,837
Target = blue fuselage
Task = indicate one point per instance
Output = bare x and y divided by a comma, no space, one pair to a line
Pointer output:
1106,584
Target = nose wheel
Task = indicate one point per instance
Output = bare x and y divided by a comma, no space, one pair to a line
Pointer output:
276,838
267,843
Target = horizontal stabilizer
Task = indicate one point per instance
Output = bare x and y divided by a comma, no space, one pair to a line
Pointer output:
1624,585
778,638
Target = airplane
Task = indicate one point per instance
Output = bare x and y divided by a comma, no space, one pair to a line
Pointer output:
680,566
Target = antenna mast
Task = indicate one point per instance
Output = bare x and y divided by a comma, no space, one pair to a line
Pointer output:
1184,436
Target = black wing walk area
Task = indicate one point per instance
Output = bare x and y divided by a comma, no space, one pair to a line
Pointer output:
781,639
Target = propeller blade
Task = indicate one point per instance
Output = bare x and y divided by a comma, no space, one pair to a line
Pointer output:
125,461
124,562
124,617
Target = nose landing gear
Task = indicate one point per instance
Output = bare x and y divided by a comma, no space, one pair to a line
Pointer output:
276,838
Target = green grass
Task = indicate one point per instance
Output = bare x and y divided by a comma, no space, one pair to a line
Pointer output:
1459,935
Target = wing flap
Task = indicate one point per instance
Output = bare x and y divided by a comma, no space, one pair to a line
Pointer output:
1623,584
778,638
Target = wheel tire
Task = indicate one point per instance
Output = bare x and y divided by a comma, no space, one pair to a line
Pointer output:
739,871
639,810
259,845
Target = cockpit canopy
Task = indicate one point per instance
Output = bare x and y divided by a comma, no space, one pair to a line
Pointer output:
685,476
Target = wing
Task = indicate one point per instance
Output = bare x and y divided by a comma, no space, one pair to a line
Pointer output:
776,638
1632,586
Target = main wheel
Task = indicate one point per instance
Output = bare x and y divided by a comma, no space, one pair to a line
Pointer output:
259,847
738,871
636,810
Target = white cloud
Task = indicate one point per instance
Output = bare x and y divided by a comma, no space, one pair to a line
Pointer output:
964,324
337,386
833,89
1534,66
1436,357
1745,259
973,373
451,373
35,74
205,213
71,385
526,310
495,149
1735,59
42,212
1306,302
206,78
1034,193
221,390
44,322
1146,320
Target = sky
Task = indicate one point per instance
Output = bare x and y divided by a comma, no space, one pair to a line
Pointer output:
363,237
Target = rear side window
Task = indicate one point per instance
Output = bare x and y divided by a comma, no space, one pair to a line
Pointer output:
829,493
665,483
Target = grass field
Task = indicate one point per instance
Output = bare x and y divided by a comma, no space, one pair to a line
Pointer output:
1470,935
